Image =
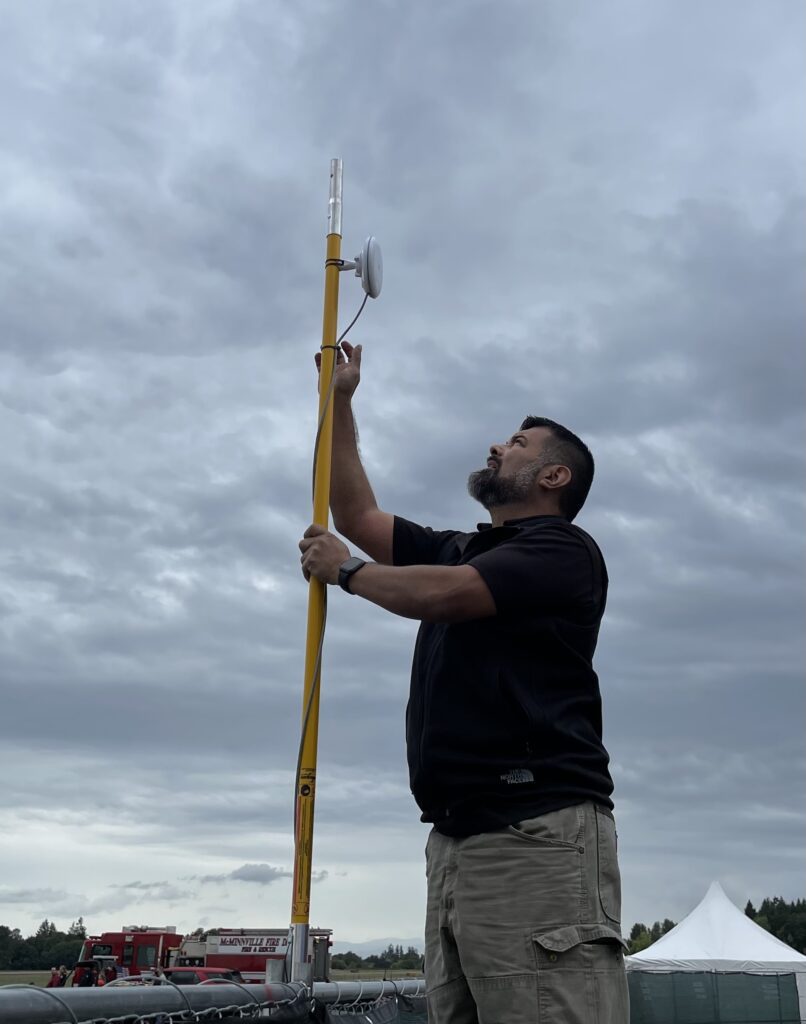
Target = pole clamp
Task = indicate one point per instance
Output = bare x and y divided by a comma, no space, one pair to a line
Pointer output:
342,265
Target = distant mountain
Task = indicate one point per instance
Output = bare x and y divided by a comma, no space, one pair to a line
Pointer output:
375,946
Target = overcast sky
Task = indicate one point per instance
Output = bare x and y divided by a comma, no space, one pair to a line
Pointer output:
590,212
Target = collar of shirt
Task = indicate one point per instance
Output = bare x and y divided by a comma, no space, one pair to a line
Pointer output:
488,536
517,523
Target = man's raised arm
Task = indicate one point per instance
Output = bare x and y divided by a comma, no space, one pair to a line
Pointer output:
356,515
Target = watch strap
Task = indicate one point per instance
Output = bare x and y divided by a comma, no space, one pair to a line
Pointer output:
347,570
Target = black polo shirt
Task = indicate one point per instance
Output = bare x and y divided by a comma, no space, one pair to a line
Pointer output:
504,720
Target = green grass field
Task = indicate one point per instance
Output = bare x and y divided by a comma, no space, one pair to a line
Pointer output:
24,977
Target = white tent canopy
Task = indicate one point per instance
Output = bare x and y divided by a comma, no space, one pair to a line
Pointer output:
718,937
717,930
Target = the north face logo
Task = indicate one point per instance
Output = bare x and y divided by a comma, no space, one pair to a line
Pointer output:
517,775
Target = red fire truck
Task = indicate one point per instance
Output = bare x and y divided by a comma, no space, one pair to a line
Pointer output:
259,954
138,949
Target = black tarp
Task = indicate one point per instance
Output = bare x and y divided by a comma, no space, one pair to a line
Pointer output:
691,997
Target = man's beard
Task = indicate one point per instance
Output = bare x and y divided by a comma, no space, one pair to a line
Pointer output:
492,490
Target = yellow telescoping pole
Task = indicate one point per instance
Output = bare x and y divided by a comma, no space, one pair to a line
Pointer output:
301,968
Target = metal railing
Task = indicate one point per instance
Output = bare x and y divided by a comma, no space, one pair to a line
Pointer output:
166,1002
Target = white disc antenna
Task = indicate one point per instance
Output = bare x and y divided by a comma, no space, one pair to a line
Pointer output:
368,265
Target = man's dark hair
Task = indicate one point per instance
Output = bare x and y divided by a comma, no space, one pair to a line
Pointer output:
568,450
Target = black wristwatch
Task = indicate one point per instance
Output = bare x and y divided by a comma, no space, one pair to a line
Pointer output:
348,569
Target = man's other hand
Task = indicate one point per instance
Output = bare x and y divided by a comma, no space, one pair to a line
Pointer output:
348,369
322,554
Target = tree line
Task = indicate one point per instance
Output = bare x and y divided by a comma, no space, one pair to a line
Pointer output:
393,958
786,921
47,947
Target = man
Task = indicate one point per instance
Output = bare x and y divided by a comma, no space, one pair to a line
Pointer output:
89,975
503,725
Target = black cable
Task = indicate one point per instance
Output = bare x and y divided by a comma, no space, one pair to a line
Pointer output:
329,395
318,663
347,329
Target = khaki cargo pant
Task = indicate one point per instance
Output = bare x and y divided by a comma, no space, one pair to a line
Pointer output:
523,924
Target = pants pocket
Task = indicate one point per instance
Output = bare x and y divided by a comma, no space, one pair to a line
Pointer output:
608,875
563,828
581,976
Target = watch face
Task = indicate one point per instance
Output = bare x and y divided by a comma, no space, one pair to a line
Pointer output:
347,569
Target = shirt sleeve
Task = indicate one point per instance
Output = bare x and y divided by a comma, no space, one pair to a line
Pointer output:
420,545
548,570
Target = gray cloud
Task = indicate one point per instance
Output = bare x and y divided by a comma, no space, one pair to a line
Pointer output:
37,896
262,874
